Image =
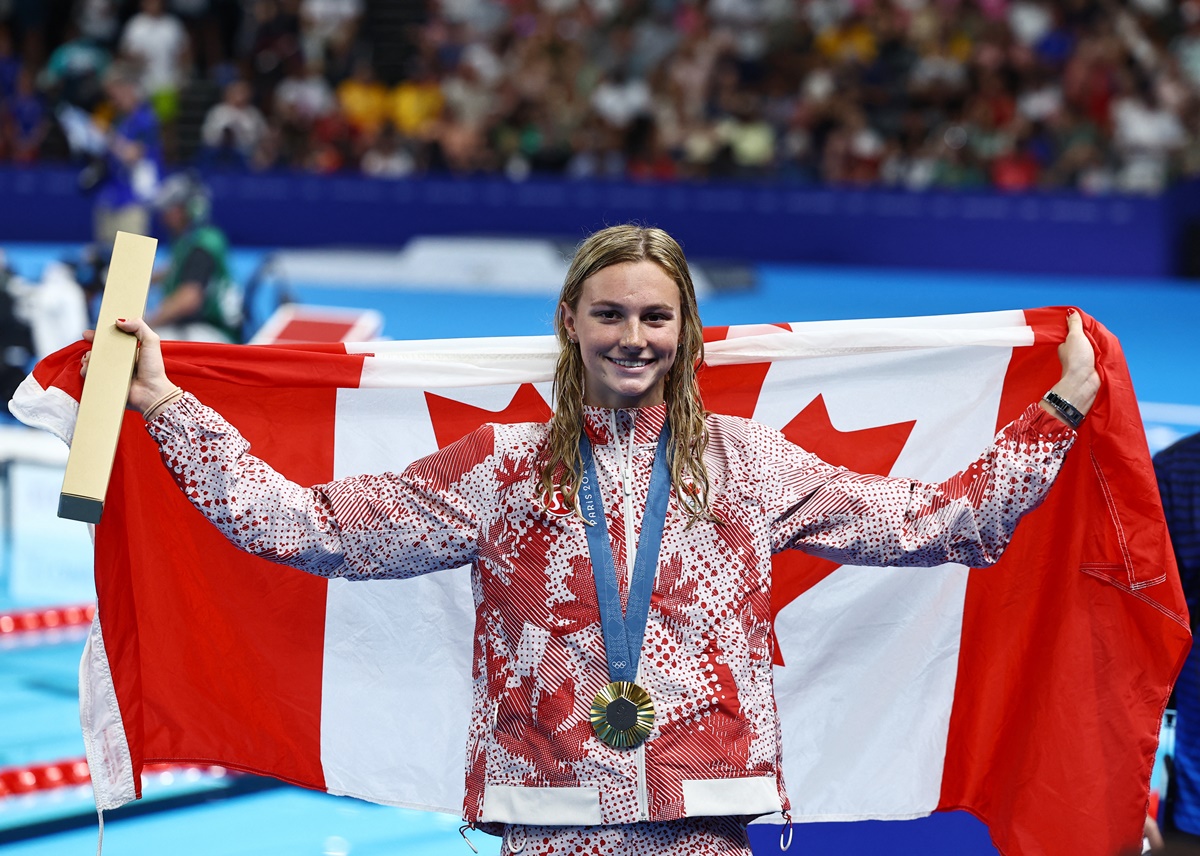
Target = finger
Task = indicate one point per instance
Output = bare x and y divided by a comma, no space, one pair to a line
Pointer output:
1074,322
89,335
139,328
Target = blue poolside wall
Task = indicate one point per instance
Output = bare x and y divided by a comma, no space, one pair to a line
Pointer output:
1051,233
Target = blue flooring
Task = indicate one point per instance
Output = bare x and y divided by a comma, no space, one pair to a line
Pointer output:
275,822
39,720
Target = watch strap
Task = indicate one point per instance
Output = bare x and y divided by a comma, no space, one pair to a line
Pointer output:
1066,409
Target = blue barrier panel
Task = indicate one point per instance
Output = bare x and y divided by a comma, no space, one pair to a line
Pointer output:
43,204
1034,233
956,832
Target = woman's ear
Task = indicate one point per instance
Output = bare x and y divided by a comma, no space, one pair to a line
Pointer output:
568,321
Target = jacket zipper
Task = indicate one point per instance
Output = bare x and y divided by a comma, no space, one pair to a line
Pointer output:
642,792
626,468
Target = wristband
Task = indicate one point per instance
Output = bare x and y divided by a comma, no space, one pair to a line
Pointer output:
151,413
1064,408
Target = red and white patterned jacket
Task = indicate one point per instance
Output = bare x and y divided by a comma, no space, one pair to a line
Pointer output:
539,654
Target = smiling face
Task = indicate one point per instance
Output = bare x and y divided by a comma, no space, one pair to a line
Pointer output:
627,324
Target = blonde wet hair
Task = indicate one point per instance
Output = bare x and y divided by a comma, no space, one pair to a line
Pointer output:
563,466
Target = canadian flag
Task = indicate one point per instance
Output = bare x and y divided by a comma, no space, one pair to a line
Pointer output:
1029,693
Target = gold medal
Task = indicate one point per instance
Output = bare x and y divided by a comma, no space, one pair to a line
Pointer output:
622,714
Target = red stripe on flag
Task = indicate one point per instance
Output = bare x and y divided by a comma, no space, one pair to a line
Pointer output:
210,667
1057,665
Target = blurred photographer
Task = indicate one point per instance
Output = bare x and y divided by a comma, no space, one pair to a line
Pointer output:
200,301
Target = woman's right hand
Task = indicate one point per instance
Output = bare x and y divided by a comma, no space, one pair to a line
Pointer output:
150,381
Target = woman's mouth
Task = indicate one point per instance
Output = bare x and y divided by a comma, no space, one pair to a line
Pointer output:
629,364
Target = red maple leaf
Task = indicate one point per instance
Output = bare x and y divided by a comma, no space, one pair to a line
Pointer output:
867,450
544,741
453,419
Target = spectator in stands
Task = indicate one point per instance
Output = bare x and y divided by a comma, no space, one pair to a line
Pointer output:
467,96
1186,46
274,47
333,144
749,137
417,102
364,100
619,99
305,95
10,64
132,163
324,23
158,44
24,121
595,153
200,302
459,143
200,22
76,69
387,157
1145,133
1016,168
98,21
234,129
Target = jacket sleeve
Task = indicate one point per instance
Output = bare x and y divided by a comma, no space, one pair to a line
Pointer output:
372,526
858,519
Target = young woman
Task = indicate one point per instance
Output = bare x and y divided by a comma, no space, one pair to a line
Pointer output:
620,557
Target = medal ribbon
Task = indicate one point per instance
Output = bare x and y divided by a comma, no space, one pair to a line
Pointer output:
624,631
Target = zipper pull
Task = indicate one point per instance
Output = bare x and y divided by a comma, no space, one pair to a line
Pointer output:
462,830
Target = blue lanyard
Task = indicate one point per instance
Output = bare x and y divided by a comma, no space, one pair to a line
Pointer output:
623,633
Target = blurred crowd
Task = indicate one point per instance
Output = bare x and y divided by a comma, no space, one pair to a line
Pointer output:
1096,95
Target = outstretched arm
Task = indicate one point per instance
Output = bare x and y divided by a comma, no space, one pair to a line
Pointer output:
859,519
969,518
388,525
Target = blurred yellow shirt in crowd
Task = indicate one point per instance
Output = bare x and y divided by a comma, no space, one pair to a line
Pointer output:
415,104
849,42
365,104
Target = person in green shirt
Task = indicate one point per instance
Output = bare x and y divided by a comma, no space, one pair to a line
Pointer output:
200,301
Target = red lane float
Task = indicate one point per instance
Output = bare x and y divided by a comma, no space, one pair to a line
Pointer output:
50,618
35,778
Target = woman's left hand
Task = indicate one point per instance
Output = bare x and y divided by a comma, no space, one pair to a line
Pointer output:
1080,381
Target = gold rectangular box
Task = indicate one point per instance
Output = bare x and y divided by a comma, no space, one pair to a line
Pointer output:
106,387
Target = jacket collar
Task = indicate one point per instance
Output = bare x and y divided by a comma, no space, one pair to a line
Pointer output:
647,423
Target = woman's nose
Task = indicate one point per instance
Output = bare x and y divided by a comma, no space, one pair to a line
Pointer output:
632,336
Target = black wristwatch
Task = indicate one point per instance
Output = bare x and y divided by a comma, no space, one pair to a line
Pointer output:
1065,409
